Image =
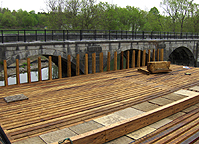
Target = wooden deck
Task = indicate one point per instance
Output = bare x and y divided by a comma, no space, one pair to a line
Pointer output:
57,104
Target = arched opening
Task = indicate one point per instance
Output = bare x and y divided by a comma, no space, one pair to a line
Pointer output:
182,56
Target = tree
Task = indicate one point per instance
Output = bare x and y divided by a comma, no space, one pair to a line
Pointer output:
178,10
8,20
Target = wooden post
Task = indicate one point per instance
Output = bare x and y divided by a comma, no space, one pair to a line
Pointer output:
50,68
86,64
149,55
28,70
68,66
138,59
5,73
59,68
17,72
133,59
39,69
127,60
109,62
143,57
101,62
121,60
153,55
93,63
115,61
158,54
161,54
77,65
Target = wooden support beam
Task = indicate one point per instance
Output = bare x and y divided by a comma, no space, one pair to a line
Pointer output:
5,73
28,70
39,69
101,62
133,59
143,57
115,61
93,63
77,65
158,54
109,62
68,66
111,132
127,60
161,54
59,68
138,59
86,64
149,55
153,58
17,72
50,68
121,60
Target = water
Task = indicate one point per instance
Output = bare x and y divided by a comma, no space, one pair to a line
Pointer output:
24,79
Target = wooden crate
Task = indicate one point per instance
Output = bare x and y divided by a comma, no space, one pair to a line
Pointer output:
158,66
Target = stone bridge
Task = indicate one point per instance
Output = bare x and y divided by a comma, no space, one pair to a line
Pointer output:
183,51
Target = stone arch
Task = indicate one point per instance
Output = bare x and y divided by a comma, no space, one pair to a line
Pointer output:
182,56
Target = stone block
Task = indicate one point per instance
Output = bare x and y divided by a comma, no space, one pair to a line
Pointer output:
141,132
145,106
109,119
186,93
160,123
57,135
174,96
15,98
33,140
161,101
85,127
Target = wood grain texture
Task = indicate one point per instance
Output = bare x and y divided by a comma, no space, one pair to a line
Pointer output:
59,67
77,65
17,72
5,73
50,68
68,66
115,61
28,70
39,69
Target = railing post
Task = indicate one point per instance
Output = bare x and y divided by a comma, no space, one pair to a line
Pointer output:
132,34
2,36
135,35
143,35
101,62
143,57
93,63
153,58
152,35
186,35
126,35
164,35
86,64
149,55
18,35
109,36
52,34
127,60
167,35
115,61
63,35
80,34
158,54
138,59
28,70
5,73
181,35
36,34
133,59
68,66
45,35
50,68
77,65
17,72
116,34
121,60
121,34
67,35
24,35
160,35
95,36
108,61
39,69
59,67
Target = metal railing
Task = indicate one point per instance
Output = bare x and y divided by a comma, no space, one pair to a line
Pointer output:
79,35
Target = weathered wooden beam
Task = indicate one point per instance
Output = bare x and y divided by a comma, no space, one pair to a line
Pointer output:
68,66
5,73
86,64
101,62
138,59
50,68
133,59
149,55
153,58
158,54
93,63
17,72
143,57
77,65
121,60
109,62
59,67
28,70
39,69
161,54
127,60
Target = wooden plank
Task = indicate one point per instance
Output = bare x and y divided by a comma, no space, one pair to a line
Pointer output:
161,54
77,65
93,63
50,68
149,55
101,62
127,60
17,72
133,59
153,58
158,54
115,61
109,62
121,128
39,69
143,57
68,66
28,70
86,64
59,67
138,58
5,73
121,60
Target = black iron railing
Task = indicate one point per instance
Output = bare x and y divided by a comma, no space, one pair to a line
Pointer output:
79,35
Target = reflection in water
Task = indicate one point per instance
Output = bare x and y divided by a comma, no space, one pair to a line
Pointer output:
24,79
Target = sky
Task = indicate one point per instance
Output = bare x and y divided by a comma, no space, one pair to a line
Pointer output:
40,6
